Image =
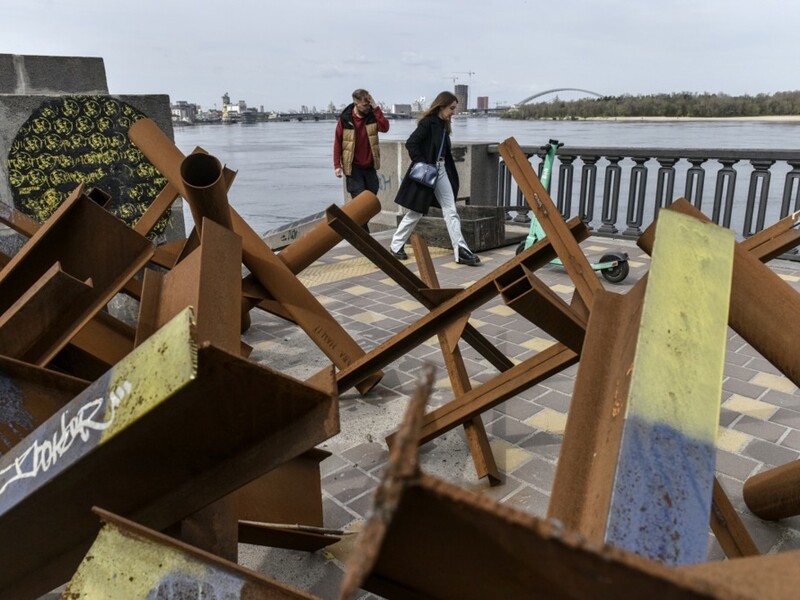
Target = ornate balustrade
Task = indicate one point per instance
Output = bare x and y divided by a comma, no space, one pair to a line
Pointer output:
618,192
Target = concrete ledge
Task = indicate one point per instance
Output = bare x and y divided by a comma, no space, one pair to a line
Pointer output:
52,75
483,227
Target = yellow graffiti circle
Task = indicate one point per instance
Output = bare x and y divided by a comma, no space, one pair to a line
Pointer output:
81,139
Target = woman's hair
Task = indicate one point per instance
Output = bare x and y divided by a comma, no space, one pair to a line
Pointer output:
443,99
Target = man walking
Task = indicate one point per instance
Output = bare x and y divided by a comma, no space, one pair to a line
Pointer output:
356,152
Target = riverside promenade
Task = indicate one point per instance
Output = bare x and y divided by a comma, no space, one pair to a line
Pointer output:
759,419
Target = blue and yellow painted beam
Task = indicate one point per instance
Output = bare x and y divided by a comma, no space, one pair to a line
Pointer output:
664,478
128,560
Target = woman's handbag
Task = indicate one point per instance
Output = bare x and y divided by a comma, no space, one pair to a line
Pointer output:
424,173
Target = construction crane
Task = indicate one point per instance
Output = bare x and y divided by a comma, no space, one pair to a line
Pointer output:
470,73
453,77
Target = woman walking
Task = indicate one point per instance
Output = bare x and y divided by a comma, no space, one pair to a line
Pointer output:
431,139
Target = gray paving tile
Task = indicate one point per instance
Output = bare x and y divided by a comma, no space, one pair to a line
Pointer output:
556,401
518,408
735,466
769,454
764,430
792,440
742,388
367,456
509,429
346,484
335,516
529,500
538,472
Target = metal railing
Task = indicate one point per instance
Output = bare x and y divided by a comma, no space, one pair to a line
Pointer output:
618,192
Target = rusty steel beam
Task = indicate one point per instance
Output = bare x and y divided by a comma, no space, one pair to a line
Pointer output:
206,280
406,279
267,268
284,507
427,538
450,311
584,474
39,319
733,537
575,262
519,378
30,395
755,285
128,560
474,429
132,425
534,300
88,242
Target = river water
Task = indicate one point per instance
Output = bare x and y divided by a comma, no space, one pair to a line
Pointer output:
285,169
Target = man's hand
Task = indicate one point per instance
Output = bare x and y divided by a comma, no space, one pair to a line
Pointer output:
372,102
338,171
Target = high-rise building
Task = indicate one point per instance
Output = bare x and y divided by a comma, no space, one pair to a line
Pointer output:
462,93
483,102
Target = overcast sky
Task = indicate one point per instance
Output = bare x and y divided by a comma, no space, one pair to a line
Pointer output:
281,55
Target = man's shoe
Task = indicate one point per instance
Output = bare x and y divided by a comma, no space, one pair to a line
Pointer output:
465,257
400,254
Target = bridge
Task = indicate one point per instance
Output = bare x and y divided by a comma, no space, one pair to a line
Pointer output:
555,90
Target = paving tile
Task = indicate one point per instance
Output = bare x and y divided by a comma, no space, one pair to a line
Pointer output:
735,466
770,454
529,500
544,443
764,430
509,429
518,408
775,382
367,456
549,420
334,516
785,416
781,399
792,440
346,484
741,373
508,456
555,400
732,440
750,407
538,472
742,388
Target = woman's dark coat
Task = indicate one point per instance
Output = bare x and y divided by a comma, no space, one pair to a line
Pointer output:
423,146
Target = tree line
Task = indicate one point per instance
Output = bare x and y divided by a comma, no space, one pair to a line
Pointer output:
683,104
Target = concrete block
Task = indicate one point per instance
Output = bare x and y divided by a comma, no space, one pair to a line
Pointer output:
52,75
483,227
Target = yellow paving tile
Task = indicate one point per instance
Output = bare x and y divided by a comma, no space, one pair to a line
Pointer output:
368,317
507,456
750,407
445,383
357,290
537,344
409,305
791,278
348,545
502,310
477,323
265,345
345,256
325,300
731,440
548,420
776,382
563,289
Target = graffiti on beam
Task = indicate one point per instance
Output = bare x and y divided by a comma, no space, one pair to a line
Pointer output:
81,139
43,454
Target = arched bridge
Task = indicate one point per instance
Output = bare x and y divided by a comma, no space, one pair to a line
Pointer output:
553,91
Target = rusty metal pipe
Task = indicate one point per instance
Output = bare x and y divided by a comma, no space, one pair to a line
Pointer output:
206,189
304,251
774,494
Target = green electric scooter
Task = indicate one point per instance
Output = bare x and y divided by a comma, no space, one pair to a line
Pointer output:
613,265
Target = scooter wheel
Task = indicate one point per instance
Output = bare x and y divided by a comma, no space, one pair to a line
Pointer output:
618,273
520,248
